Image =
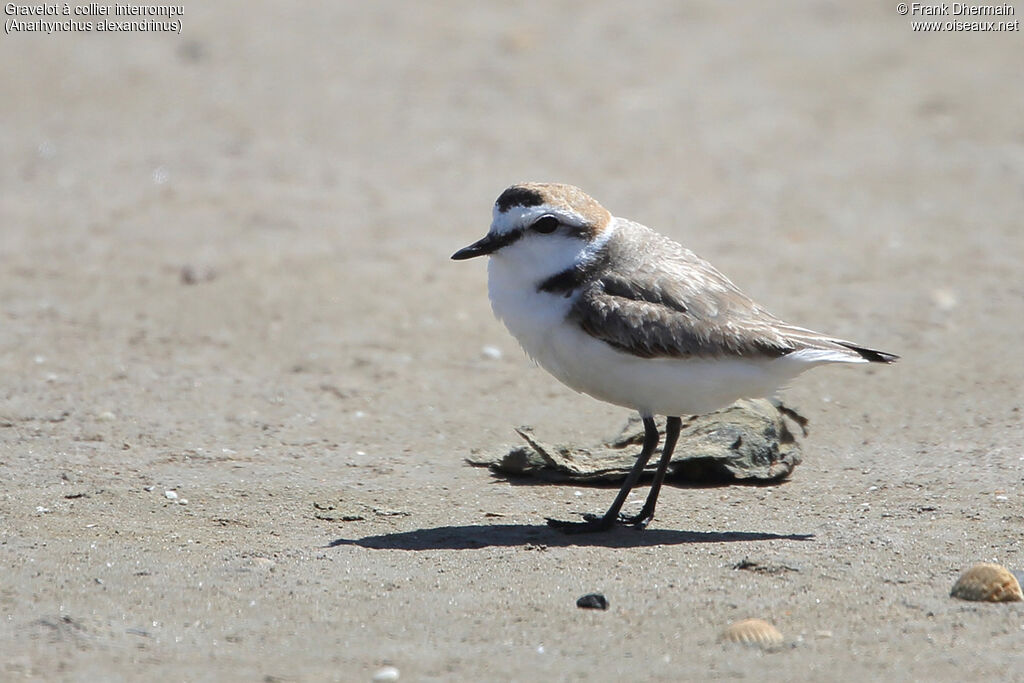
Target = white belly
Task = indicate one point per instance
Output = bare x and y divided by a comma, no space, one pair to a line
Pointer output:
659,386
652,386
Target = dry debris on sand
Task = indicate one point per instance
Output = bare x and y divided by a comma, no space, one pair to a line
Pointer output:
751,441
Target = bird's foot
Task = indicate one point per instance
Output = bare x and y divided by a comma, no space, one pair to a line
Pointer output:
592,523
638,521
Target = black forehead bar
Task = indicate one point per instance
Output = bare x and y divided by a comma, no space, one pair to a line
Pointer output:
518,196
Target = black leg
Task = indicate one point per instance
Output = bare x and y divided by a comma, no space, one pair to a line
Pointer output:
595,523
647,513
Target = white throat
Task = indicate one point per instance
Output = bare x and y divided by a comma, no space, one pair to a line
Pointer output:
514,275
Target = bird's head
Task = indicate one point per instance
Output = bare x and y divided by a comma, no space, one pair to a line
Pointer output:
542,227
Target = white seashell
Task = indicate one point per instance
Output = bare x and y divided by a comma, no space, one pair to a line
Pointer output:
753,632
387,673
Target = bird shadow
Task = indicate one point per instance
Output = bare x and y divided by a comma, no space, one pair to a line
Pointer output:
469,537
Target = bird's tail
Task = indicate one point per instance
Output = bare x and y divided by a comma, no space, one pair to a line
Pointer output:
815,347
870,355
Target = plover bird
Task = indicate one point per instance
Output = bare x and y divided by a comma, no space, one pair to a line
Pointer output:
617,311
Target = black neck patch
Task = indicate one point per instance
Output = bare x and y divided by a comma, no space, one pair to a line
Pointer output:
518,196
571,279
563,283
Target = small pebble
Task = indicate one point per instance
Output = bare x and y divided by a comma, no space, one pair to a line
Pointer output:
944,299
593,601
191,275
106,416
171,495
387,673
987,583
756,632
160,175
491,352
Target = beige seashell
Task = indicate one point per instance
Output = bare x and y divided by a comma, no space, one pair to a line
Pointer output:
987,582
753,632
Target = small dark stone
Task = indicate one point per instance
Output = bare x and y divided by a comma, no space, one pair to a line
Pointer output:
191,275
593,601
764,567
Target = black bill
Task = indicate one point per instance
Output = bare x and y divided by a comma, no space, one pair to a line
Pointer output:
489,244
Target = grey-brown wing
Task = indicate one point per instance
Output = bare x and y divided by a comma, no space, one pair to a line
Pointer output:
655,299
673,304
649,319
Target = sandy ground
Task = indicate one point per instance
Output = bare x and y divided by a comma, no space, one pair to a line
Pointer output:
224,274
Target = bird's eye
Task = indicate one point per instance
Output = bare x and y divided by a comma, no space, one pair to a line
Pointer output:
545,224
